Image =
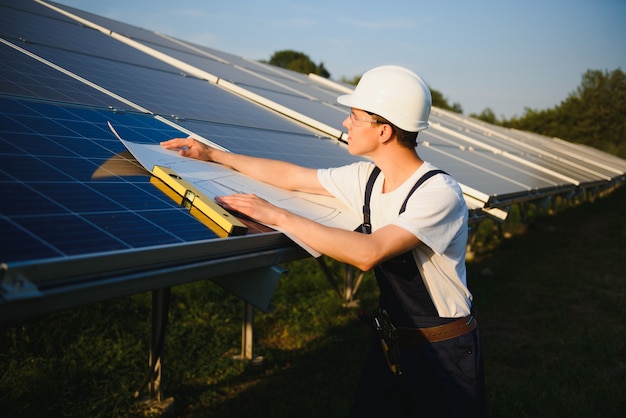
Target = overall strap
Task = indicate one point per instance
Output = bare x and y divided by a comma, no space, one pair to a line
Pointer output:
418,184
366,227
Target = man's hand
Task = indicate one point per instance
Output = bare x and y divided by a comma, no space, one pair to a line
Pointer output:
252,206
191,148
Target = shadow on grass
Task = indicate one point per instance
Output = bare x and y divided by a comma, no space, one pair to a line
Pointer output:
315,381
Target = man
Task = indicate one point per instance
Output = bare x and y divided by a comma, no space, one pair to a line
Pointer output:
414,235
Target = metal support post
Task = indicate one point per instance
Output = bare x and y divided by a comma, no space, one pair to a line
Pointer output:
154,402
352,278
247,332
160,309
247,336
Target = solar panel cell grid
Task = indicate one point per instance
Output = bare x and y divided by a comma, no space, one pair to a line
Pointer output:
24,76
11,6
307,150
62,198
169,93
222,64
35,29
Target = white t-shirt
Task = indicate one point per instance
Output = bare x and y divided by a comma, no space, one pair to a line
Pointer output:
436,213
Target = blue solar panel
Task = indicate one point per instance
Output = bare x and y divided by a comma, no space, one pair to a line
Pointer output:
168,93
47,28
21,75
56,152
53,203
233,122
11,7
303,149
144,80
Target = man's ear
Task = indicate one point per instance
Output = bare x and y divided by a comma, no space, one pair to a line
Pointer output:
385,133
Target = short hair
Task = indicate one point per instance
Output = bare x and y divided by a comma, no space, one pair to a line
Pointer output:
405,138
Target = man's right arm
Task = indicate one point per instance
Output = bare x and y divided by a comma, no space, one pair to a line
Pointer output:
277,173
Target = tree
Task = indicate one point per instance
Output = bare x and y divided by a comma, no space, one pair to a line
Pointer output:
441,102
594,114
486,115
299,62
354,80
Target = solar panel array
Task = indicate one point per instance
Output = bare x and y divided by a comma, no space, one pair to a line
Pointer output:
495,167
62,123
69,189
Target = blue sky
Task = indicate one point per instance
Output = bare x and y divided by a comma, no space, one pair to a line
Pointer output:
506,55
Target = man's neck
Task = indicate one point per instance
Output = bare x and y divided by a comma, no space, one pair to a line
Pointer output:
397,167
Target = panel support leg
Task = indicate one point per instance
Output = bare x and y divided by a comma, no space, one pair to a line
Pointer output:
247,332
154,402
247,336
352,278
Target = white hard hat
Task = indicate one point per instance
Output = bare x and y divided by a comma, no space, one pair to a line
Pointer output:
395,93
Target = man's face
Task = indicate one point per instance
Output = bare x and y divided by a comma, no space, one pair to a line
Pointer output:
362,132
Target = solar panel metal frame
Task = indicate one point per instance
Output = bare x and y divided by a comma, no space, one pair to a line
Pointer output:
38,287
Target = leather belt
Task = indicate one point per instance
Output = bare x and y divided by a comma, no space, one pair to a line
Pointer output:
417,336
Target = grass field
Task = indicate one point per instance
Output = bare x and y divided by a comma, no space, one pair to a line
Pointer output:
551,304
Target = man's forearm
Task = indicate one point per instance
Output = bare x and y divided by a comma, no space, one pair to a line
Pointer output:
282,174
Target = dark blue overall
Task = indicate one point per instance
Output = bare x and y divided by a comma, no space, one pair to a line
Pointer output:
441,379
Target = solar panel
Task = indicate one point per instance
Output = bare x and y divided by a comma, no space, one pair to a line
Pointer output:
596,160
54,203
540,151
57,156
253,74
164,91
303,149
23,76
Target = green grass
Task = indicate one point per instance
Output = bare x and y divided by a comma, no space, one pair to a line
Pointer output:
551,305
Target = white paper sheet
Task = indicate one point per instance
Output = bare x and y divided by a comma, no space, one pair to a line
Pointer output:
215,180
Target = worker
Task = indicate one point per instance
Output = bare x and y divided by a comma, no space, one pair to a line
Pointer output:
426,357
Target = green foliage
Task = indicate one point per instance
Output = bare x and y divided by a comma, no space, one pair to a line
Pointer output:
487,115
441,102
550,304
299,62
354,80
594,114
78,360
